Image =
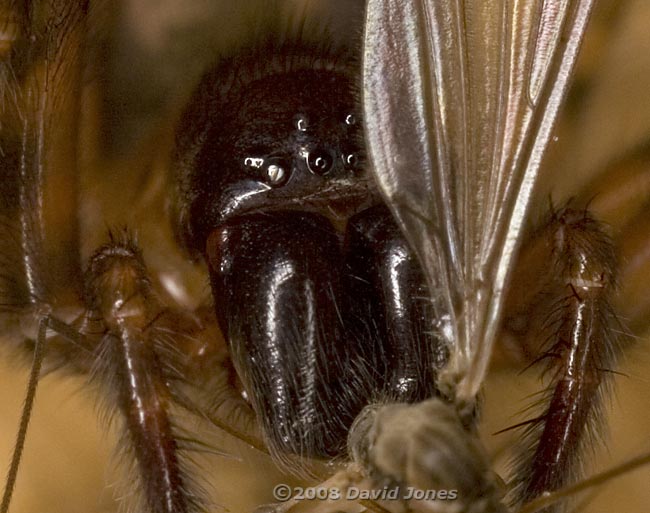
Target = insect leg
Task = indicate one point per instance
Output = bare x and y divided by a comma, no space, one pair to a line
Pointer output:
25,417
580,349
47,322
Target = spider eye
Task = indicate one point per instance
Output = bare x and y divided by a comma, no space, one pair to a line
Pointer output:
320,161
350,160
276,171
301,122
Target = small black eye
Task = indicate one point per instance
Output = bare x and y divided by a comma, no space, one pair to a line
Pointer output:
350,160
301,122
320,161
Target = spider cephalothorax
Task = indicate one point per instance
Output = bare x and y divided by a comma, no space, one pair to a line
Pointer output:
315,288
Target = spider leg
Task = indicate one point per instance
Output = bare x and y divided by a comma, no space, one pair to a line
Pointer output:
133,362
580,327
41,68
621,195
40,76
152,363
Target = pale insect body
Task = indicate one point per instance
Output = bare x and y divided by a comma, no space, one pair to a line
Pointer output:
474,358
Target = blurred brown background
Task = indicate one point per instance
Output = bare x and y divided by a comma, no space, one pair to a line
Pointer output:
152,53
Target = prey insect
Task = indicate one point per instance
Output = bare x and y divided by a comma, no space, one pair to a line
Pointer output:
251,200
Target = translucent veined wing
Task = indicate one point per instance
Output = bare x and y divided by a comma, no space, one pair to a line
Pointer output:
459,101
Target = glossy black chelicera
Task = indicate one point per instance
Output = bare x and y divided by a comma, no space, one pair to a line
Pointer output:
322,301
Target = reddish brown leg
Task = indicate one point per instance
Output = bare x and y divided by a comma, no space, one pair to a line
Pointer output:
133,362
145,355
148,360
578,351
41,50
621,197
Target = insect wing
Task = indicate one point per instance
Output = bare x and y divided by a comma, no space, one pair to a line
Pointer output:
459,103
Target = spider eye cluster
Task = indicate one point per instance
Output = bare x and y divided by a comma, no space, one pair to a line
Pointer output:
307,152
272,129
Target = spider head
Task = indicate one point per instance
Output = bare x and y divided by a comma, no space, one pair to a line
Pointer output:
275,128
